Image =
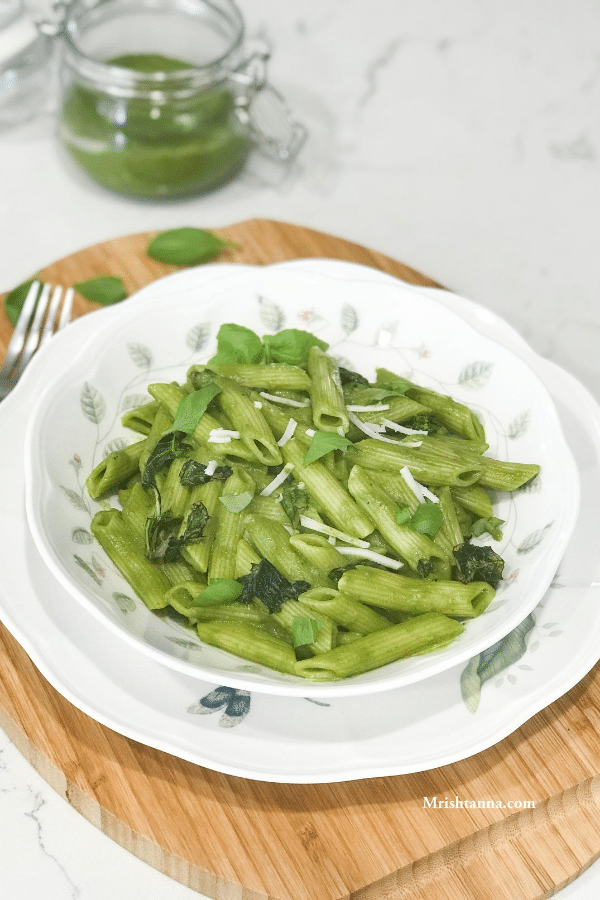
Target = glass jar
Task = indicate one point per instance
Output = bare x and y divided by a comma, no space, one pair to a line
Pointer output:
25,65
157,95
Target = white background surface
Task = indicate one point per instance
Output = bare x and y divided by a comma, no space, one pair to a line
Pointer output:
462,138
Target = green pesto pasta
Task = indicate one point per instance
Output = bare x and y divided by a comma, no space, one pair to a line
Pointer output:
300,517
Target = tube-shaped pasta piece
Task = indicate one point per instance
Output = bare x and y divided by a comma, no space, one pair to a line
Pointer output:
388,590
245,558
318,551
506,476
450,526
229,529
162,421
272,541
140,418
198,553
330,497
115,470
328,406
425,467
249,421
250,643
275,376
474,498
381,509
421,634
278,418
270,508
146,579
175,496
345,610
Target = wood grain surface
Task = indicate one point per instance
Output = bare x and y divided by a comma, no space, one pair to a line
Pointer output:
238,839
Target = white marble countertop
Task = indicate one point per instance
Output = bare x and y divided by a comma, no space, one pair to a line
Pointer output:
462,138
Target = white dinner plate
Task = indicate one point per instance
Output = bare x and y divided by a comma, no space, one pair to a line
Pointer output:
293,740
367,322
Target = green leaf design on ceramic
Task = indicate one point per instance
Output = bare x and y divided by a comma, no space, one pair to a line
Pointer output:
87,568
187,645
349,319
271,315
117,444
533,540
197,337
81,536
491,662
141,355
92,403
125,603
519,425
130,401
75,499
476,375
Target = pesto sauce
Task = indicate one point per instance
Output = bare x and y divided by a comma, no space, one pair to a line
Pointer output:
134,146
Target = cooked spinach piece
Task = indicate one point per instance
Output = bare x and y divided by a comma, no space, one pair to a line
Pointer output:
168,448
269,585
294,501
475,563
162,541
193,473
349,377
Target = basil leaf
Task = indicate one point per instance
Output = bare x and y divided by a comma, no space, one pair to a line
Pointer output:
193,473
235,503
14,300
291,346
426,519
403,516
237,345
304,631
294,501
192,408
269,585
324,442
221,590
186,246
106,290
168,448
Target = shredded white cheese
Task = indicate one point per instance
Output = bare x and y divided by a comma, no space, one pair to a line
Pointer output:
413,444
310,432
418,489
288,433
211,467
222,436
279,479
378,407
393,426
372,555
313,525
258,404
370,429
284,400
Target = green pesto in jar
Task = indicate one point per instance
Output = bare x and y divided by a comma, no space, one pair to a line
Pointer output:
175,147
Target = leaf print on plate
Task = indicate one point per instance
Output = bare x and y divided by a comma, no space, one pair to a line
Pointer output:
197,337
75,499
519,425
492,661
534,539
130,401
92,403
114,445
349,319
476,375
87,568
532,487
125,603
82,536
271,315
141,355
236,704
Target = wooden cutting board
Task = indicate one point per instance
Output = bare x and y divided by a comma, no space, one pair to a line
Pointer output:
238,839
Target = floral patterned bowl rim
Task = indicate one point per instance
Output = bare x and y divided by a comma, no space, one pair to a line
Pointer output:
367,323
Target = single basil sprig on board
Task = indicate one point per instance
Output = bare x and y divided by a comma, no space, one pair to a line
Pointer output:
14,300
187,246
106,289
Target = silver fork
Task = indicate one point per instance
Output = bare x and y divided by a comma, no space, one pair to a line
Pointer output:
38,321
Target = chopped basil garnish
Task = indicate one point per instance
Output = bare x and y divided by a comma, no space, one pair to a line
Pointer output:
323,442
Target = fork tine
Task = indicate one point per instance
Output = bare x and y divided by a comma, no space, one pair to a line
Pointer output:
17,340
51,317
65,315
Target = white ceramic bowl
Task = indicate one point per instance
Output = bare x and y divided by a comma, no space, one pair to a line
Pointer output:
158,333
